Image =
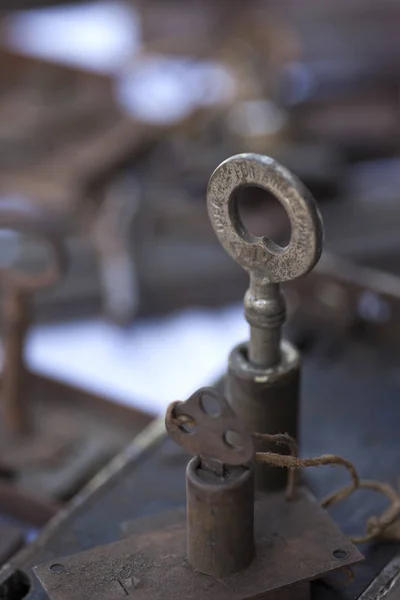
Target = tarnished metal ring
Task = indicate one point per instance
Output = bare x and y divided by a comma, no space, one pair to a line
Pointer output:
28,219
260,255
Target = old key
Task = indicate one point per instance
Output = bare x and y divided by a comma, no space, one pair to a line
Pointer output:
263,378
267,263
219,482
17,286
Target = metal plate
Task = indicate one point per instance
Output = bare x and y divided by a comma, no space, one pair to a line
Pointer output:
295,541
145,483
11,540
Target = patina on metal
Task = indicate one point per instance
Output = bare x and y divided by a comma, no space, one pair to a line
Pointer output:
219,483
295,543
17,288
263,376
53,437
202,426
213,554
267,263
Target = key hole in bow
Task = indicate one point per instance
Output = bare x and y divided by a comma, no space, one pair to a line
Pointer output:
257,212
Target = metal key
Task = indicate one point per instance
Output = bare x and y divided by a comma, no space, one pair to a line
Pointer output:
219,482
17,287
209,440
267,263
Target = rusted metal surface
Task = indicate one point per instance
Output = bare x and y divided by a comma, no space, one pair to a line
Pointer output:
219,482
22,506
27,219
220,518
75,433
171,519
63,140
142,482
267,263
49,443
263,376
209,421
46,106
86,504
11,540
267,401
154,562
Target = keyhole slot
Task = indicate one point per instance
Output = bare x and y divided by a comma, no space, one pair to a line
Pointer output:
257,214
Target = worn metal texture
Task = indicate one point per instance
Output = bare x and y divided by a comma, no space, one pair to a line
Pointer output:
11,540
75,433
267,400
298,541
267,263
260,372
261,255
172,519
220,518
211,423
46,443
364,430
32,510
18,285
219,483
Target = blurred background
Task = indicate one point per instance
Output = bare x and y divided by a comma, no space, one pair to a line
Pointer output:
113,115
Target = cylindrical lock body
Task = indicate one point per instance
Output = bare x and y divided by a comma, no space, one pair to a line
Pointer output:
267,400
220,518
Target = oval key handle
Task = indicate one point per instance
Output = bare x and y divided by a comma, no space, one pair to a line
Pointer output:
260,255
217,434
28,219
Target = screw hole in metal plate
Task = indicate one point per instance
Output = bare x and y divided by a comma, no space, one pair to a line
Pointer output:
233,440
339,554
56,568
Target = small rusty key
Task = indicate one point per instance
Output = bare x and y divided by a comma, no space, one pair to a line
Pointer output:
267,263
219,482
206,432
17,286
262,385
